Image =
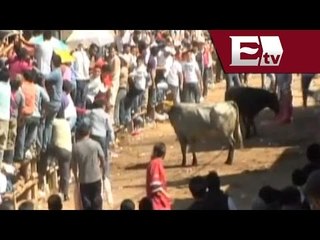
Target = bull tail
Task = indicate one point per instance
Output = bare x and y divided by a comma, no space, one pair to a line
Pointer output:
237,130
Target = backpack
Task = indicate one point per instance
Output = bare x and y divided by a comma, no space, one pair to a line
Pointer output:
29,91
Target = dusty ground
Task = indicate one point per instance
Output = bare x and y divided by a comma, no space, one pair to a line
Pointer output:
267,159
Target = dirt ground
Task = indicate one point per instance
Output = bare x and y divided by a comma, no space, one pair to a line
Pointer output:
266,159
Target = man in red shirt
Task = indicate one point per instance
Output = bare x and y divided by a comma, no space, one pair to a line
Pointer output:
156,179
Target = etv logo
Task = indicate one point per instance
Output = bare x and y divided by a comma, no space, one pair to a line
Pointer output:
256,51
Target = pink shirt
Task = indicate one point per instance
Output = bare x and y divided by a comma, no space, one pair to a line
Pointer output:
66,72
17,66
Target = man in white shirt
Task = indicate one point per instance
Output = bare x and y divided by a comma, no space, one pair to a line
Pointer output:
140,78
81,69
192,80
5,96
94,85
44,52
175,78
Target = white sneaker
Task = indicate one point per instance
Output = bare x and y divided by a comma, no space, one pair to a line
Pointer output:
28,155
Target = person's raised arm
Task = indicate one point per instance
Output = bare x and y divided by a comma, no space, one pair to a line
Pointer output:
25,42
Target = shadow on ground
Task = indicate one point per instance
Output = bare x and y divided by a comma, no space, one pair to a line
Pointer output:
241,186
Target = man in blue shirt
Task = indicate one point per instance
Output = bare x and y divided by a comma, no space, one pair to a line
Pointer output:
54,83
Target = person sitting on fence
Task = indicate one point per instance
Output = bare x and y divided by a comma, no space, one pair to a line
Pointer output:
61,148
5,94
16,106
27,126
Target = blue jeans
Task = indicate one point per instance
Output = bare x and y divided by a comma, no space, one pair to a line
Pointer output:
47,133
233,80
81,93
26,135
191,93
119,108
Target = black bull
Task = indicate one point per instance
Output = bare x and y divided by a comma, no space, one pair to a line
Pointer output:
251,101
194,122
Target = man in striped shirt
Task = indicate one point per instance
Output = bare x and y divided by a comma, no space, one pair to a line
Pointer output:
156,185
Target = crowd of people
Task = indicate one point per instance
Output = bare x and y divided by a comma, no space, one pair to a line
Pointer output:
68,110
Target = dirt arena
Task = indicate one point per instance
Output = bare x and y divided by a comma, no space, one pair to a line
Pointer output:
266,159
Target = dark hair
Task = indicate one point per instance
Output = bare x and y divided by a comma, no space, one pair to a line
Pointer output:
154,51
22,53
15,85
26,205
106,68
313,152
39,79
142,46
84,128
126,45
145,204
29,75
198,187
17,46
55,202
56,60
4,74
67,86
298,177
213,181
159,150
269,195
99,103
7,205
112,46
127,204
47,34
140,59
290,196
